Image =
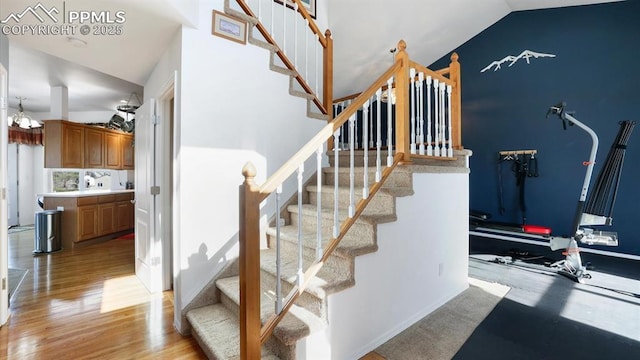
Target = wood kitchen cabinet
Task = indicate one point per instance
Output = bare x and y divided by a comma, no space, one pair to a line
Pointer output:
113,150
94,145
92,217
126,144
124,212
87,223
78,146
64,144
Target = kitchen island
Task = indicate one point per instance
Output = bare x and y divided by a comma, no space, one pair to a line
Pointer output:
92,215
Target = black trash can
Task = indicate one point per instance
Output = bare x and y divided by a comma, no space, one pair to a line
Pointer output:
47,231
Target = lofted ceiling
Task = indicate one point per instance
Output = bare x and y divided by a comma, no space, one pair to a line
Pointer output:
109,68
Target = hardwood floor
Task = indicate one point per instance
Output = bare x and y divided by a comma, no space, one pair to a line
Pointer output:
88,304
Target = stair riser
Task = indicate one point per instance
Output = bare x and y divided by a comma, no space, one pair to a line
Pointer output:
307,300
358,158
396,179
344,157
381,204
359,230
334,263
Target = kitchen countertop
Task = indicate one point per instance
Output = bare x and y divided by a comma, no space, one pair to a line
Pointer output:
85,193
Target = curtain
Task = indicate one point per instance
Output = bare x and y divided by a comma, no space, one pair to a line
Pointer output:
26,136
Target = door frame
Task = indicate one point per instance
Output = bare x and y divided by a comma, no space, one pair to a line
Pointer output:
4,236
165,177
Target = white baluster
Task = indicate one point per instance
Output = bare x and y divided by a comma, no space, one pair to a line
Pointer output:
370,131
450,148
284,26
272,17
429,111
412,105
300,239
260,11
443,129
306,51
365,132
295,35
336,180
436,118
319,201
421,112
355,132
389,124
352,172
378,135
278,258
317,44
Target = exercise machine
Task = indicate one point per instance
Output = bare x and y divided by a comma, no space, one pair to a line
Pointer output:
595,211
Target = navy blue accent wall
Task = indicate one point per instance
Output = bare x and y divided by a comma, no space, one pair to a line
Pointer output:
596,71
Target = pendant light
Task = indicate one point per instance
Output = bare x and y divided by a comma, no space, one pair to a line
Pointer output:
20,119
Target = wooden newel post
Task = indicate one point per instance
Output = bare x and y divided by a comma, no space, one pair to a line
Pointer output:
249,238
327,87
402,103
456,102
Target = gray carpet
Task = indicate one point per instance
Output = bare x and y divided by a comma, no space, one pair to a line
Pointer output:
442,333
15,279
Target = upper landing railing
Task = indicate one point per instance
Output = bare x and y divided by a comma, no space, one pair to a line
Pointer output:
309,53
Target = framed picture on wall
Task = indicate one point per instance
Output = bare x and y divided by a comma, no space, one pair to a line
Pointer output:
229,27
309,5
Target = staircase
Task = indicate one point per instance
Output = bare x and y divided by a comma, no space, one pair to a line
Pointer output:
215,326
308,329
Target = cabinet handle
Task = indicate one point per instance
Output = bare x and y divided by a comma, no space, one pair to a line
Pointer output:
133,201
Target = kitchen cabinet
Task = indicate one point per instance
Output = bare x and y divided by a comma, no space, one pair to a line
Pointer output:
87,223
113,150
126,144
94,144
87,216
78,146
124,212
64,144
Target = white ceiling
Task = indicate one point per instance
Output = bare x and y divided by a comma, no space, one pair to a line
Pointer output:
110,68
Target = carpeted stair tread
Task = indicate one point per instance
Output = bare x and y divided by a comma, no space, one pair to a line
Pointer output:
297,323
311,210
327,280
217,330
347,248
382,203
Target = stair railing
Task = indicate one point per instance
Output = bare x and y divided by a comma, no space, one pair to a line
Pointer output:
389,119
434,105
308,53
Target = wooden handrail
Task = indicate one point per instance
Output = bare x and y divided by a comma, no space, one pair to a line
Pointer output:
433,74
312,24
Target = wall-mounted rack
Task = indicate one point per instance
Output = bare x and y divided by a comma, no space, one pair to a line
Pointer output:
519,152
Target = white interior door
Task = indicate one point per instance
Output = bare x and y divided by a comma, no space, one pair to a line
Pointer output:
4,242
148,250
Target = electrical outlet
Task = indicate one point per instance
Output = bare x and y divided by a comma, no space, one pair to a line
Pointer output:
440,269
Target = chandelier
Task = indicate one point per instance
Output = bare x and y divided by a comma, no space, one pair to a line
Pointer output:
20,119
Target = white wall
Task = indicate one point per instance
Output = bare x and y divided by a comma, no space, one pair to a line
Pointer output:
421,263
233,110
